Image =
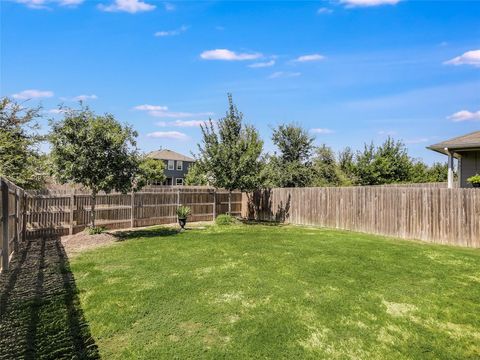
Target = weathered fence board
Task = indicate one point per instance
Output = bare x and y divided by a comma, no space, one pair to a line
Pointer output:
70,213
434,214
12,221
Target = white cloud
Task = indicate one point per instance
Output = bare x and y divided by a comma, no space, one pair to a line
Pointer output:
178,31
365,3
56,111
469,58
33,94
162,112
147,107
228,55
284,74
262,64
43,4
321,131
324,10
188,123
465,115
169,6
85,97
33,4
130,6
71,3
311,57
387,132
417,140
175,135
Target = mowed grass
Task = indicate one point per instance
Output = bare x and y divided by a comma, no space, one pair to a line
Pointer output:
257,291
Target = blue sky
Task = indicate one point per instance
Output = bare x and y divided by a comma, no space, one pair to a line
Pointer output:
350,71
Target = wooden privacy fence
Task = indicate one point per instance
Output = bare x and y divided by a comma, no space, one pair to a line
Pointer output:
12,224
444,216
70,213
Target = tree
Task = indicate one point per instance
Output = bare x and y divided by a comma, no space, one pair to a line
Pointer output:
20,160
326,170
387,164
230,156
95,151
150,171
346,163
291,167
196,176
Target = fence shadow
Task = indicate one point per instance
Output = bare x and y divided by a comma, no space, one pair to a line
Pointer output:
40,313
145,233
260,207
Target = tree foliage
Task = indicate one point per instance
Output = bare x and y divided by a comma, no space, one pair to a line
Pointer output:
327,171
195,176
291,166
150,171
95,151
230,155
20,160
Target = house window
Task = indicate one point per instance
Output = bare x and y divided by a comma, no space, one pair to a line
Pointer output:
171,164
179,165
178,181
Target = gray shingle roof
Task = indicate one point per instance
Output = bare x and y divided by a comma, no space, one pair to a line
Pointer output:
165,154
468,141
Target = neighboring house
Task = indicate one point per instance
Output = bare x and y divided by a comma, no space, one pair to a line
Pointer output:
176,165
466,149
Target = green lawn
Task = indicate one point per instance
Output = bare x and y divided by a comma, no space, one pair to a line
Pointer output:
256,291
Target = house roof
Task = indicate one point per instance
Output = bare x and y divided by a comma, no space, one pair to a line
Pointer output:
165,154
465,142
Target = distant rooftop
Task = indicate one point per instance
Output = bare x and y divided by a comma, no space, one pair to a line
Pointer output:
165,154
464,142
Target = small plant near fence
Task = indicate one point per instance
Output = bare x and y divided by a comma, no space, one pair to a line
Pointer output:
95,230
183,212
474,180
225,219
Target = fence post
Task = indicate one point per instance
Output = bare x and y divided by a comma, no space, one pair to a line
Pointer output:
5,214
72,212
24,222
178,197
17,215
132,211
214,204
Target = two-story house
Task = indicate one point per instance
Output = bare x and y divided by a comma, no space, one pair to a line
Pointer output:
176,165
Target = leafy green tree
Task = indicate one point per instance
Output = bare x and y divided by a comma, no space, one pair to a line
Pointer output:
326,170
346,163
150,171
95,151
438,172
20,159
291,167
196,176
387,164
231,155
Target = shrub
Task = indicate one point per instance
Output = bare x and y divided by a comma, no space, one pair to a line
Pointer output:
474,179
183,212
225,220
94,230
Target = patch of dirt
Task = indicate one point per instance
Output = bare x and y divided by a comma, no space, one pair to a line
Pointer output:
82,241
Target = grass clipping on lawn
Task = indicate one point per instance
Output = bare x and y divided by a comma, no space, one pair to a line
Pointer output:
257,291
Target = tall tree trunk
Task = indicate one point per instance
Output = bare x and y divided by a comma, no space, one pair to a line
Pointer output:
229,202
93,202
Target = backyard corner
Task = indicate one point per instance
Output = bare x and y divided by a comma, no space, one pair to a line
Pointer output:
263,291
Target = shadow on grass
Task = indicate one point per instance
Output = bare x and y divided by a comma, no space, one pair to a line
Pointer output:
263,223
145,233
40,313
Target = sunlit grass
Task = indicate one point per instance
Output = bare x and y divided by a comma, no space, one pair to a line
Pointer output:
256,291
